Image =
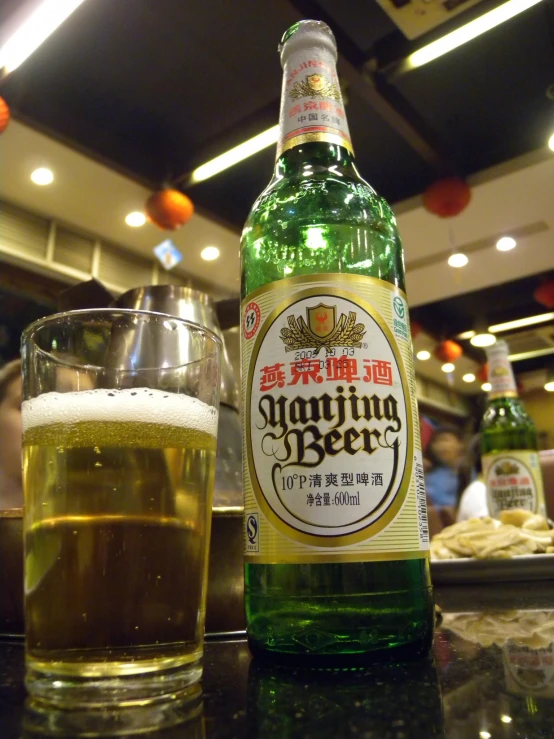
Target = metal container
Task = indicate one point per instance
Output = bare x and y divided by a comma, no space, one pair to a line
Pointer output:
225,609
11,571
192,305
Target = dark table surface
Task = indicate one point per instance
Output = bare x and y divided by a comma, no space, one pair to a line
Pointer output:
491,676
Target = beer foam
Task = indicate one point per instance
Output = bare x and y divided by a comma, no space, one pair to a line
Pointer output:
139,405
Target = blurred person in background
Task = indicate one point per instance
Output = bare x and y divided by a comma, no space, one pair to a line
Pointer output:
473,491
445,452
11,490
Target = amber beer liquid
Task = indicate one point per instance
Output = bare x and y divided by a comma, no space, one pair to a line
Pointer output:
116,545
511,467
336,538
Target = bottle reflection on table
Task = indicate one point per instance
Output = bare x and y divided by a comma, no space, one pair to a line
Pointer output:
498,677
386,700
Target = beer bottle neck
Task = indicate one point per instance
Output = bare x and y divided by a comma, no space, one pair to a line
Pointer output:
312,121
501,376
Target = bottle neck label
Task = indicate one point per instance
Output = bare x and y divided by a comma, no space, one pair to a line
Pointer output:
311,101
332,463
501,376
513,480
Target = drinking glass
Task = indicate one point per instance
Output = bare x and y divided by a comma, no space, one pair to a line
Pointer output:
120,411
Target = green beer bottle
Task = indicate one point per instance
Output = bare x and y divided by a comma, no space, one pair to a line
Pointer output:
336,537
511,466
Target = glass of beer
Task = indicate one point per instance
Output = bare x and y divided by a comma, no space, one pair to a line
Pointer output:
120,412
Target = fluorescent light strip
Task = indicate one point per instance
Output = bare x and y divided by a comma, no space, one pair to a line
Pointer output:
531,355
468,32
236,155
521,323
40,24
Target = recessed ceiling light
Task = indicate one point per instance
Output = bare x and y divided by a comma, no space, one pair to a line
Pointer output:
549,386
458,260
135,219
486,387
209,253
42,176
465,335
484,735
469,377
448,367
506,719
551,143
482,340
423,355
506,243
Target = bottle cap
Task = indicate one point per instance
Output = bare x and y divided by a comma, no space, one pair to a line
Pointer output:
306,34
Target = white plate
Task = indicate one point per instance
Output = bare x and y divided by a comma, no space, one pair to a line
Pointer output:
470,570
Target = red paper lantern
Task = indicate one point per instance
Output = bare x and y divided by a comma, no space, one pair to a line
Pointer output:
448,351
483,373
544,294
4,115
447,197
415,328
169,209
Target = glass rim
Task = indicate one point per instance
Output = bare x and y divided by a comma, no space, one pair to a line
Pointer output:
40,322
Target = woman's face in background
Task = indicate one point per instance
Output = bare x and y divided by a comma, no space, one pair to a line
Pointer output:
448,449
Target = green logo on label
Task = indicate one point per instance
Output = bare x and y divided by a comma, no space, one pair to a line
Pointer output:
399,308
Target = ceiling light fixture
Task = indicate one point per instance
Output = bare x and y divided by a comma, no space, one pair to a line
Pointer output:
33,31
42,176
423,355
549,386
486,387
209,253
235,155
458,259
506,719
531,355
551,143
469,377
468,32
506,243
466,335
482,340
136,219
521,323
448,367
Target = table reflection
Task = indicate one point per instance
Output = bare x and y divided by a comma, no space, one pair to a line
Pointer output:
496,671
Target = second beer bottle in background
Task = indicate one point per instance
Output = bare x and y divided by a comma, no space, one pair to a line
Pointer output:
336,535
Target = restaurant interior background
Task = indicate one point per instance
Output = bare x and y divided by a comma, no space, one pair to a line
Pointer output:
126,97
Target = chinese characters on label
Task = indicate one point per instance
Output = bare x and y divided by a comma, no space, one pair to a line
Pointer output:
333,369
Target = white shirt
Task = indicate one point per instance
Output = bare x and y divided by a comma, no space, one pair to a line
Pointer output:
473,502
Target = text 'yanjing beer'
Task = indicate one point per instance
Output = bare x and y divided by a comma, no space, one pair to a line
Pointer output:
336,535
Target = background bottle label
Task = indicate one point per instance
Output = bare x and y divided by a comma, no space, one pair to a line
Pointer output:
501,376
513,480
332,459
311,101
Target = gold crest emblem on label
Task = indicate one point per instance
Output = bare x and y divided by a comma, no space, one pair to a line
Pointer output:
322,330
315,85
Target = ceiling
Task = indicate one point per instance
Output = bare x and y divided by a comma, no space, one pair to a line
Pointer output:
125,97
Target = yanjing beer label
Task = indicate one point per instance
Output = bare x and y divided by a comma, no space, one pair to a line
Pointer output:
513,480
311,102
332,460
